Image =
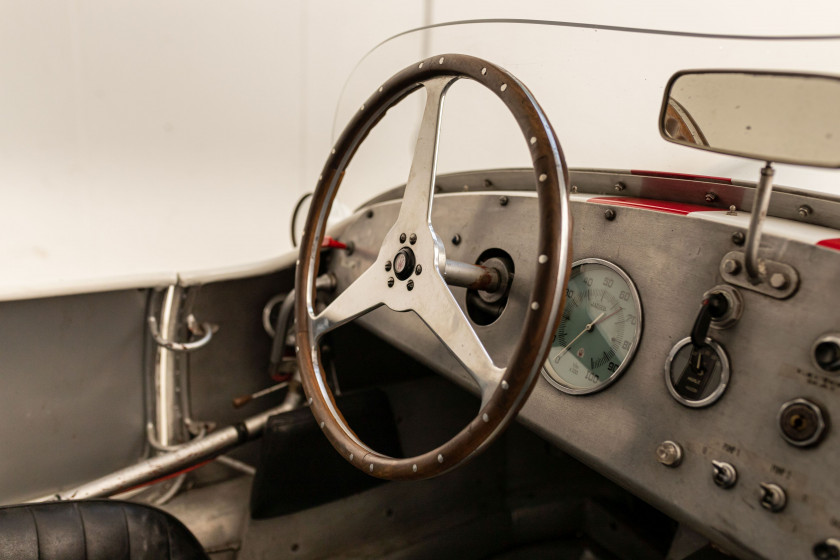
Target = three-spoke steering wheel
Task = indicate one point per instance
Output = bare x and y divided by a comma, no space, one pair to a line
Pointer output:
412,253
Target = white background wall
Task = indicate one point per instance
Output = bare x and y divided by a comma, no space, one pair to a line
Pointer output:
166,136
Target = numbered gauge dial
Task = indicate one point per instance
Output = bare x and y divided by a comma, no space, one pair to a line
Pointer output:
599,330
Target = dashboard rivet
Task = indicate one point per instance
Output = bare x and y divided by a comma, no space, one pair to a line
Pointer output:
369,214
402,238
669,453
609,214
503,200
710,197
732,267
778,281
619,187
738,238
390,281
418,269
805,211
412,238
456,239
410,285
387,266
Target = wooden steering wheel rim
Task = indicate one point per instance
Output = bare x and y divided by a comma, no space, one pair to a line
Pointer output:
547,294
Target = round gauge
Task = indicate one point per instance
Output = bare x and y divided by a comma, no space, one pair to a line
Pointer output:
599,330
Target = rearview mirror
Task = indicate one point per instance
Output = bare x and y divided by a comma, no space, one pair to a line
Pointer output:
772,116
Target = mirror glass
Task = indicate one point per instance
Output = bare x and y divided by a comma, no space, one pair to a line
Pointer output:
777,117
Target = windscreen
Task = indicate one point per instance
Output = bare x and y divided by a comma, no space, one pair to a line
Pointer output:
601,88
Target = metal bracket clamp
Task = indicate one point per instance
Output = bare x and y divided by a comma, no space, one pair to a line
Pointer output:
205,330
779,281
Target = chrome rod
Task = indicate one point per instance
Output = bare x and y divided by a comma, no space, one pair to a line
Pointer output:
185,456
753,264
472,276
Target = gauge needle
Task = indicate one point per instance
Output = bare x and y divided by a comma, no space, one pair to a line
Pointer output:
586,329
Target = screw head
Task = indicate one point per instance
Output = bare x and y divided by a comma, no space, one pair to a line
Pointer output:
402,238
503,200
711,197
387,266
738,238
390,281
456,239
778,280
804,211
619,186
610,215
410,285
418,269
731,266
412,238
369,214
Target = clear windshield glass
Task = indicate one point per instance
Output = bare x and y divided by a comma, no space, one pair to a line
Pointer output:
601,88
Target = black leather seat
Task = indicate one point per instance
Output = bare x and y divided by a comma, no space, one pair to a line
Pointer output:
94,530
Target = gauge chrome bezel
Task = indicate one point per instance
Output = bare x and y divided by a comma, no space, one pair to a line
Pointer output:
724,374
631,352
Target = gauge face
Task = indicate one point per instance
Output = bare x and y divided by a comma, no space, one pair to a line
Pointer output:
599,330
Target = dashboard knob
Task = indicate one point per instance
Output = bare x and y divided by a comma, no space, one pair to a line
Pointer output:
773,497
724,474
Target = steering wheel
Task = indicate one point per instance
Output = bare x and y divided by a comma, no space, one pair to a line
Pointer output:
418,258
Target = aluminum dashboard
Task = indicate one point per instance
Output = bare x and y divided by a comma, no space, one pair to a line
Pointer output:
670,235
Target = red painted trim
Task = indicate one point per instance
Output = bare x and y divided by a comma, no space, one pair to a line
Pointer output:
648,204
830,243
669,175
331,243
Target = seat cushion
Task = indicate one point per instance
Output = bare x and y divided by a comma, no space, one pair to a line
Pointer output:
94,530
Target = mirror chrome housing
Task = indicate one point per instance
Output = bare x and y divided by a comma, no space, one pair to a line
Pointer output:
782,117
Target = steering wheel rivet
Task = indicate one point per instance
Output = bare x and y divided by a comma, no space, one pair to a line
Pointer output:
352,456
323,424
505,385
504,87
440,61
421,65
370,468
440,458
333,151
543,177
533,139
535,305
310,401
414,467
543,259
485,417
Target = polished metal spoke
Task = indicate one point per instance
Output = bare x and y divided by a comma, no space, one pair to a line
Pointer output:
416,207
360,297
437,307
